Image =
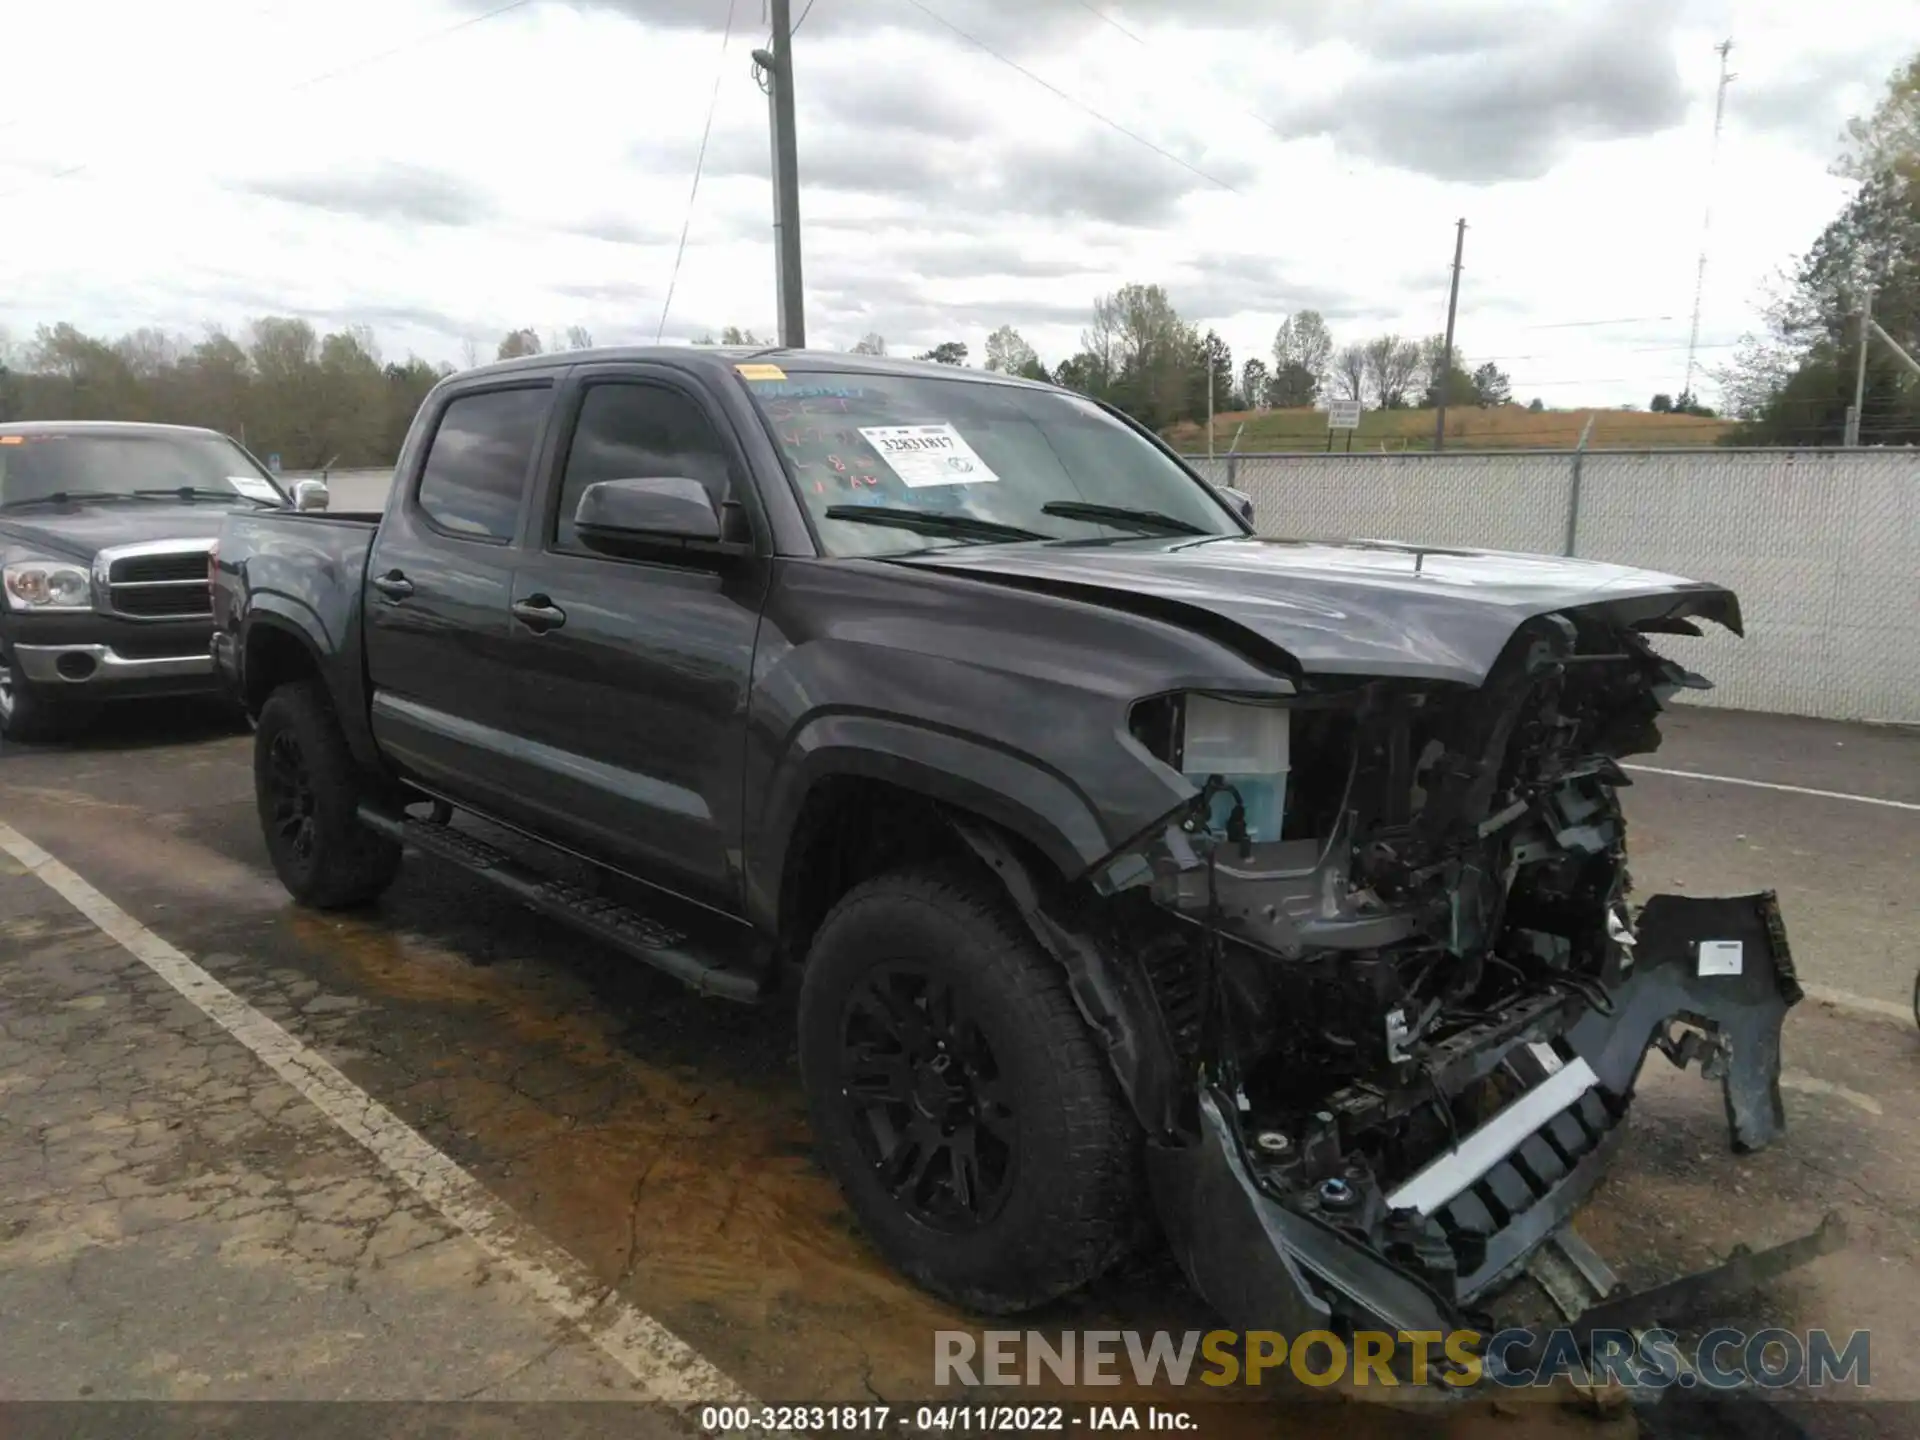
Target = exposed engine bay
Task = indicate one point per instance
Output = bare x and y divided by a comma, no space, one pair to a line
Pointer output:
1381,1008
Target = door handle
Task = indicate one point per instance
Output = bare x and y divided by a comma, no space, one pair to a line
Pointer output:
538,614
393,585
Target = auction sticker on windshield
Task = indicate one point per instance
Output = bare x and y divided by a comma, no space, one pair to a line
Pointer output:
253,489
923,455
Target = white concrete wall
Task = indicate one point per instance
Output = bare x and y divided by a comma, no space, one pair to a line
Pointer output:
1822,546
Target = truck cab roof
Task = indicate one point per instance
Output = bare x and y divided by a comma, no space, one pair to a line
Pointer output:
699,357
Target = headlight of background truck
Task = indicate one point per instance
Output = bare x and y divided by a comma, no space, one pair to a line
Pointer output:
48,585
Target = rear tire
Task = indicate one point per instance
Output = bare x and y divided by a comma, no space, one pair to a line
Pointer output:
308,789
960,1099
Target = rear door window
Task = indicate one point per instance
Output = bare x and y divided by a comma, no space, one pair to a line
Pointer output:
480,461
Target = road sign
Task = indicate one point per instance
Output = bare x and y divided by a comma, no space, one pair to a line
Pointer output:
1343,414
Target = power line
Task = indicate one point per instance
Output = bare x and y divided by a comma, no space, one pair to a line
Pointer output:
1056,91
699,164
1107,19
1587,324
802,20
254,14
322,78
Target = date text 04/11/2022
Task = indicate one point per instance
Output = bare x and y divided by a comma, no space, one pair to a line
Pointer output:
938,1419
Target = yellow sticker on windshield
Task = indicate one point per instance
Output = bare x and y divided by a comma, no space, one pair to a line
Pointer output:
761,372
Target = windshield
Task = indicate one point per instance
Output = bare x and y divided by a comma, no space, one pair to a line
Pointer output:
43,465
1006,455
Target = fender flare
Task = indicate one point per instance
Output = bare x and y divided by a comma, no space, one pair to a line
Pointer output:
953,770
283,615
1112,992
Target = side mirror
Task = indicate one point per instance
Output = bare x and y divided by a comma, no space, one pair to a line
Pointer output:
618,517
309,494
1240,501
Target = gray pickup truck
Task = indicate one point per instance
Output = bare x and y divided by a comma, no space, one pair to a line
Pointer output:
1131,870
104,532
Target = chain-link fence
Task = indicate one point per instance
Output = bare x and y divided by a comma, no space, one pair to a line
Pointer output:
1822,546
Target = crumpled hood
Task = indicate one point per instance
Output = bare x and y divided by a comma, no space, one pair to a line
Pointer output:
1355,608
79,532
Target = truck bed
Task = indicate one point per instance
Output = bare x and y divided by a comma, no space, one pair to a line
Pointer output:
304,573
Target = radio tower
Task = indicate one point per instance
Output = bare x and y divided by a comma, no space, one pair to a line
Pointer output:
1725,47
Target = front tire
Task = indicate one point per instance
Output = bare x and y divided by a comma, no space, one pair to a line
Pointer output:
308,790
27,712
960,1099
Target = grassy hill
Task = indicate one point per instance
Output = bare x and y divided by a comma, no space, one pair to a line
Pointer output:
1504,427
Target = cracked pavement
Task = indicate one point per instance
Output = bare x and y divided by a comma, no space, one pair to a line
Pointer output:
181,1224
185,1226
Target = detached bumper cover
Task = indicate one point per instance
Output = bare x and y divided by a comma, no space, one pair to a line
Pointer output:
1710,980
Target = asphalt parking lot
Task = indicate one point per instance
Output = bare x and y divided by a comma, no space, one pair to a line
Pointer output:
443,1149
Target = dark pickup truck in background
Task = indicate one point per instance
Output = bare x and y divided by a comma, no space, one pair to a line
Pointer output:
104,532
1128,867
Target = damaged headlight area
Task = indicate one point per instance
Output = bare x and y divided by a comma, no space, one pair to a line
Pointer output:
1400,996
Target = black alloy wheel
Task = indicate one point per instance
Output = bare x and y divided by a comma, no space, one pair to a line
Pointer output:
960,1098
308,788
932,1113
290,786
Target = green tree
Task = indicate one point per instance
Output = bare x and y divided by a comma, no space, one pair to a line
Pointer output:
1082,372
1392,367
1460,388
1143,355
1211,357
517,343
404,388
1255,381
288,390
1350,372
1792,384
91,381
1662,404
1492,386
1008,352
1304,346
947,352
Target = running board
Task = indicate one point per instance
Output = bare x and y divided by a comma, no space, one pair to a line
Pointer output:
607,921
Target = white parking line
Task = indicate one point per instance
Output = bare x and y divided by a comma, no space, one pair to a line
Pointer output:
1771,785
662,1365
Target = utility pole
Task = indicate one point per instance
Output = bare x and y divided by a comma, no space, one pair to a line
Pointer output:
1860,372
1209,405
786,178
1443,383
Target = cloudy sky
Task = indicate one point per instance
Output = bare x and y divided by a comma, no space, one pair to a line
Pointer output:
443,170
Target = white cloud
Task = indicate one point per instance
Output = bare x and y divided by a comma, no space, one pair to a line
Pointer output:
364,162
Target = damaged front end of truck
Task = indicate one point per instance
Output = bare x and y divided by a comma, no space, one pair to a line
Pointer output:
1383,1027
